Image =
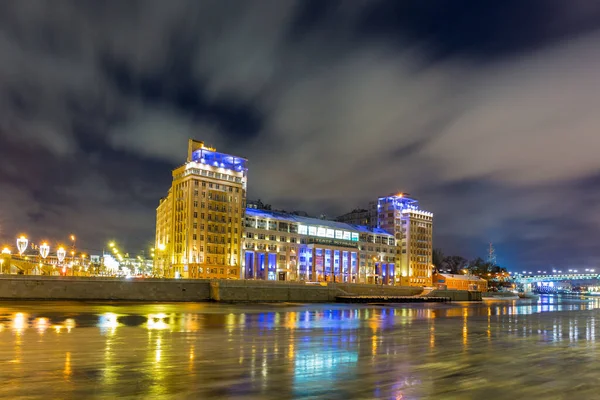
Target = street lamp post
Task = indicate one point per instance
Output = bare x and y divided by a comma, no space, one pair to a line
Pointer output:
22,243
73,238
61,253
44,251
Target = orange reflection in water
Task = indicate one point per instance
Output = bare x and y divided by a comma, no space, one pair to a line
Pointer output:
19,323
465,330
67,371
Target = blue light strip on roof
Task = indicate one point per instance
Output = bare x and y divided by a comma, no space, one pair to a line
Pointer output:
253,212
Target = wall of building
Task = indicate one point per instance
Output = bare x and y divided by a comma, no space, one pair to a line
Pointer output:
157,290
456,295
460,282
73,288
232,291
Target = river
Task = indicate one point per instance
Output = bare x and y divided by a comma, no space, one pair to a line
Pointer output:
501,350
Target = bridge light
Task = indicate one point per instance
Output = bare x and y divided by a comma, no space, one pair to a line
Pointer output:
571,270
592,270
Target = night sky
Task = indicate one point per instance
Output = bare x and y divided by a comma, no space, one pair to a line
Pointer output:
488,112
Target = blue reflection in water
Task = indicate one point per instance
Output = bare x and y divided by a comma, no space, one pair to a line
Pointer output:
455,350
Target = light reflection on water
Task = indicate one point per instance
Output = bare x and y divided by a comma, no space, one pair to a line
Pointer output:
514,349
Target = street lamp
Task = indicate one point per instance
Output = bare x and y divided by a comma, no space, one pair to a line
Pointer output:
22,243
44,250
61,253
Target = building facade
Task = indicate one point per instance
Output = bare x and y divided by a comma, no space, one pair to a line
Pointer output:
358,216
281,246
205,230
199,222
460,282
413,229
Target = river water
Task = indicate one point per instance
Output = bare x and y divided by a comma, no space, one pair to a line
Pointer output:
502,350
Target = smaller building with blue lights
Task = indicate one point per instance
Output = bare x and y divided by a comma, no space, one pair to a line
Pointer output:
281,246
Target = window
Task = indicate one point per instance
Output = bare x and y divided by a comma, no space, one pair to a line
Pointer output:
272,237
195,214
282,239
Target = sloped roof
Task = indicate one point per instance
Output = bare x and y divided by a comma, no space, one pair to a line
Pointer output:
252,212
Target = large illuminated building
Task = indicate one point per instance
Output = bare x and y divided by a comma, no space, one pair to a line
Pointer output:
199,222
281,246
413,229
205,230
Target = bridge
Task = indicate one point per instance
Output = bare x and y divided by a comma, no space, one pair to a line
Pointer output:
11,264
558,277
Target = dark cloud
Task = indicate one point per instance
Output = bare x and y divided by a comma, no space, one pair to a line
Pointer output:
485,112
477,29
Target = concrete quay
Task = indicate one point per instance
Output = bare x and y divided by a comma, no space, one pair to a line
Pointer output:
27,287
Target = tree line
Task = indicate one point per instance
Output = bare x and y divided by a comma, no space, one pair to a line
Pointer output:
459,265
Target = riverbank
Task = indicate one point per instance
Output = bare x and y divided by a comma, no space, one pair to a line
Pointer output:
15,287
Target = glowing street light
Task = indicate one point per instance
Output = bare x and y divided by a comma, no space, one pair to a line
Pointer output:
61,253
44,250
6,250
22,243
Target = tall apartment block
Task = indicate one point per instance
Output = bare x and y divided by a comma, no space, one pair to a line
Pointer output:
413,230
199,223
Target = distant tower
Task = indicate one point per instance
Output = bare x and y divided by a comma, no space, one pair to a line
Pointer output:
492,255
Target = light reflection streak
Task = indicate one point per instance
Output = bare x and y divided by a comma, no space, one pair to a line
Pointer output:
432,337
465,330
192,356
157,322
489,323
108,322
19,323
69,324
67,371
158,351
41,325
